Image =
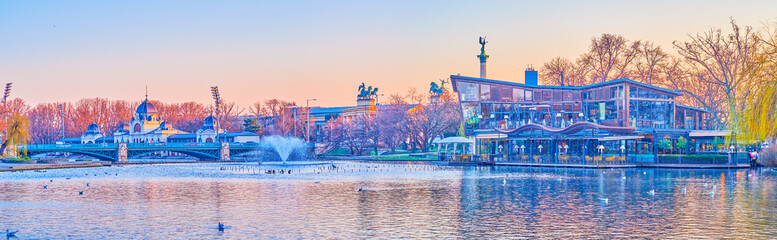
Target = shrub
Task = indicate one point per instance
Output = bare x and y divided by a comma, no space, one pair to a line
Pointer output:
768,156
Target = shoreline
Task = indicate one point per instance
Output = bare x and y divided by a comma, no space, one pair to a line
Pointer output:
13,167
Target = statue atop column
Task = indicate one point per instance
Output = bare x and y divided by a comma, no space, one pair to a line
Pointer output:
483,57
482,42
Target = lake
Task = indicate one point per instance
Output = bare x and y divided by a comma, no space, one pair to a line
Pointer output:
357,200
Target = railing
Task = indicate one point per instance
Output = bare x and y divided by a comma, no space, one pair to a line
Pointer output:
572,159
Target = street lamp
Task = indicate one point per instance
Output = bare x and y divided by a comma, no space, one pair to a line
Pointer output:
307,123
214,90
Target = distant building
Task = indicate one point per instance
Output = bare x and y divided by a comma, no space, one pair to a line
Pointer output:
147,127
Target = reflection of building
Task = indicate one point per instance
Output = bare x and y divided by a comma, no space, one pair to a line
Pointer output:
619,119
147,127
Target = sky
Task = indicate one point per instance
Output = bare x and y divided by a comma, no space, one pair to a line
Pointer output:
56,51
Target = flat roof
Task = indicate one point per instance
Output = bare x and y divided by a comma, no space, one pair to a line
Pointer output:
622,80
689,107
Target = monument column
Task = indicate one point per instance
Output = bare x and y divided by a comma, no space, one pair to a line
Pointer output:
482,56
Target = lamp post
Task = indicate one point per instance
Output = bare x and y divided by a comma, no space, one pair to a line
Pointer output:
731,153
214,90
522,147
307,122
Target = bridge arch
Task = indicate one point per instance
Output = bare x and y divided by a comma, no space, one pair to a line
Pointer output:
207,155
102,156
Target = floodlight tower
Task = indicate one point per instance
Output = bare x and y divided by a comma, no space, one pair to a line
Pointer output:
5,109
217,98
62,117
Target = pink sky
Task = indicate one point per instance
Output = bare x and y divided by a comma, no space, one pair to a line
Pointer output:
57,51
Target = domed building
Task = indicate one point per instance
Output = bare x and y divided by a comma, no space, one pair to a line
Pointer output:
145,127
207,133
92,134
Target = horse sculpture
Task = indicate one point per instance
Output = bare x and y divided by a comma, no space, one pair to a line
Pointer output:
437,90
367,92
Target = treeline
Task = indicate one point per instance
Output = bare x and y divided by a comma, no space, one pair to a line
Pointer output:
724,72
45,120
409,121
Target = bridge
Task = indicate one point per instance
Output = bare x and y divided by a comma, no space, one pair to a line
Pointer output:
122,151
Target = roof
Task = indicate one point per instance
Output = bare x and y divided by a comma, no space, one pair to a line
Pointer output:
146,108
455,77
93,129
240,134
327,110
70,140
689,107
182,136
455,140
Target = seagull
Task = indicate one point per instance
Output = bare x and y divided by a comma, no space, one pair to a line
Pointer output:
221,227
683,190
87,184
653,192
605,200
712,193
80,192
45,186
8,233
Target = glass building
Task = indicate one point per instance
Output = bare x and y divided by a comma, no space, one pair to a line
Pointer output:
618,121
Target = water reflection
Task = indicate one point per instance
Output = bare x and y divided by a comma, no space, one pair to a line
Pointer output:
188,201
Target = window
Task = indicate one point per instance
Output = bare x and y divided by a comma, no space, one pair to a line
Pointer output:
556,96
567,96
485,92
546,95
468,91
528,95
518,95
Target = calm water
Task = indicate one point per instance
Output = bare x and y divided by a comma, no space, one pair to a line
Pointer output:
401,201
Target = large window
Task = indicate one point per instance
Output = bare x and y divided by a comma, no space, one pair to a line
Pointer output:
501,94
528,95
468,91
485,92
518,95
650,114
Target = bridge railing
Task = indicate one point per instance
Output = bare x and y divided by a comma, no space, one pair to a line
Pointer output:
141,145
68,146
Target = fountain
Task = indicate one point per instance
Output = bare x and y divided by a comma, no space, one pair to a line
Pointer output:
284,146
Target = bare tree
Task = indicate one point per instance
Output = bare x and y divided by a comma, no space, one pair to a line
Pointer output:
726,60
610,57
650,60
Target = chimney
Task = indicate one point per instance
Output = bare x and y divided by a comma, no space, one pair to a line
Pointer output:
530,76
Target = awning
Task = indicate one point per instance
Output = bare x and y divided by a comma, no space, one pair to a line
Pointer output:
491,135
708,133
618,138
449,140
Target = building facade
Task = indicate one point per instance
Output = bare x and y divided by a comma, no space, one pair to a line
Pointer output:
619,121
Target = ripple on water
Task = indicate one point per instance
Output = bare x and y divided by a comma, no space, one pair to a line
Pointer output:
402,201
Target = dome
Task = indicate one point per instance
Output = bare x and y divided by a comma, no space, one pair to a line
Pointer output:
93,129
146,108
209,123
